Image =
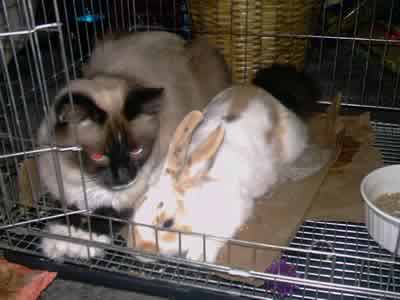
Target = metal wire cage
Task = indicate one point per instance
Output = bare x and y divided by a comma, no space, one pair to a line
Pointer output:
353,48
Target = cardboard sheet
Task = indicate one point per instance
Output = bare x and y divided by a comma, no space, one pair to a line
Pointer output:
339,198
275,221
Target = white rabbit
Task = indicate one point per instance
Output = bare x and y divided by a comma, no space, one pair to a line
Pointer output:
216,165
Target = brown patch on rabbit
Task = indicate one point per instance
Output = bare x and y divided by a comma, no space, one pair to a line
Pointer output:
143,245
174,236
169,236
240,101
180,141
186,182
147,246
208,149
161,218
278,131
205,152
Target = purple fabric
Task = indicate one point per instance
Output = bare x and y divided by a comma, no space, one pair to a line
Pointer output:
281,267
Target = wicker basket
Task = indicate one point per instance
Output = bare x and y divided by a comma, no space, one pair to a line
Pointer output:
245,31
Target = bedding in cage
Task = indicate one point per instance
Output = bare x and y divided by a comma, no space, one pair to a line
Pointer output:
325,259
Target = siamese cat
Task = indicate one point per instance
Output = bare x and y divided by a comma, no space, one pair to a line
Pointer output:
134,92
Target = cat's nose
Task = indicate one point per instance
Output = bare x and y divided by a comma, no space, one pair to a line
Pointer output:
123,176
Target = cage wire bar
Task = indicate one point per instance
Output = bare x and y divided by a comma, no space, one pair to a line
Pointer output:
44,44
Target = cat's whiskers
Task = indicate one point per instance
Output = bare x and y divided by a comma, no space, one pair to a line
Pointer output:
90,179
96,193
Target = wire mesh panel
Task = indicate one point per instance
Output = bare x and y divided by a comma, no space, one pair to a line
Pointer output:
45,43
332,260
352,46
359,55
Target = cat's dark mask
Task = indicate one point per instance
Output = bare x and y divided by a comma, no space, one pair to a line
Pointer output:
115,144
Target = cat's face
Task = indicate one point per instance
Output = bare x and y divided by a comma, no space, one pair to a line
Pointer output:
115,125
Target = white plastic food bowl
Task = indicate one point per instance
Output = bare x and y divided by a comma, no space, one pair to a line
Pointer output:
382,227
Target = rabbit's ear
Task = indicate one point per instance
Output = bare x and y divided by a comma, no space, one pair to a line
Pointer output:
208,149
178,147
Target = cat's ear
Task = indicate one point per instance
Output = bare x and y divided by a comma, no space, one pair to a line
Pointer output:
143,100
81,108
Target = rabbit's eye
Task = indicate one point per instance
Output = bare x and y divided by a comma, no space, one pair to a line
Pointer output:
160,205
168,223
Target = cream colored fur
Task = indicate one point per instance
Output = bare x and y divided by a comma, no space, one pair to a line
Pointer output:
191,74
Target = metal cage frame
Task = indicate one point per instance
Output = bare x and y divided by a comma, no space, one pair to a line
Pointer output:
40,52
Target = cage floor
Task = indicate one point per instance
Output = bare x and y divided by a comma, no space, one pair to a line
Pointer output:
357,264
357,267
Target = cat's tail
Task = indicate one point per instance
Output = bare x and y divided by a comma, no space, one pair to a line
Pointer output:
294,89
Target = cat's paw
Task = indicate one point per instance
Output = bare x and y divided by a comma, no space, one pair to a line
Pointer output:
58,249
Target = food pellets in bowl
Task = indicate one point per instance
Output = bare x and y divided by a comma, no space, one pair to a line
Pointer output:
380,190
389,203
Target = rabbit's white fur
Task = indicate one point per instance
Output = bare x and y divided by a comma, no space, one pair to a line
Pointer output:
263,139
